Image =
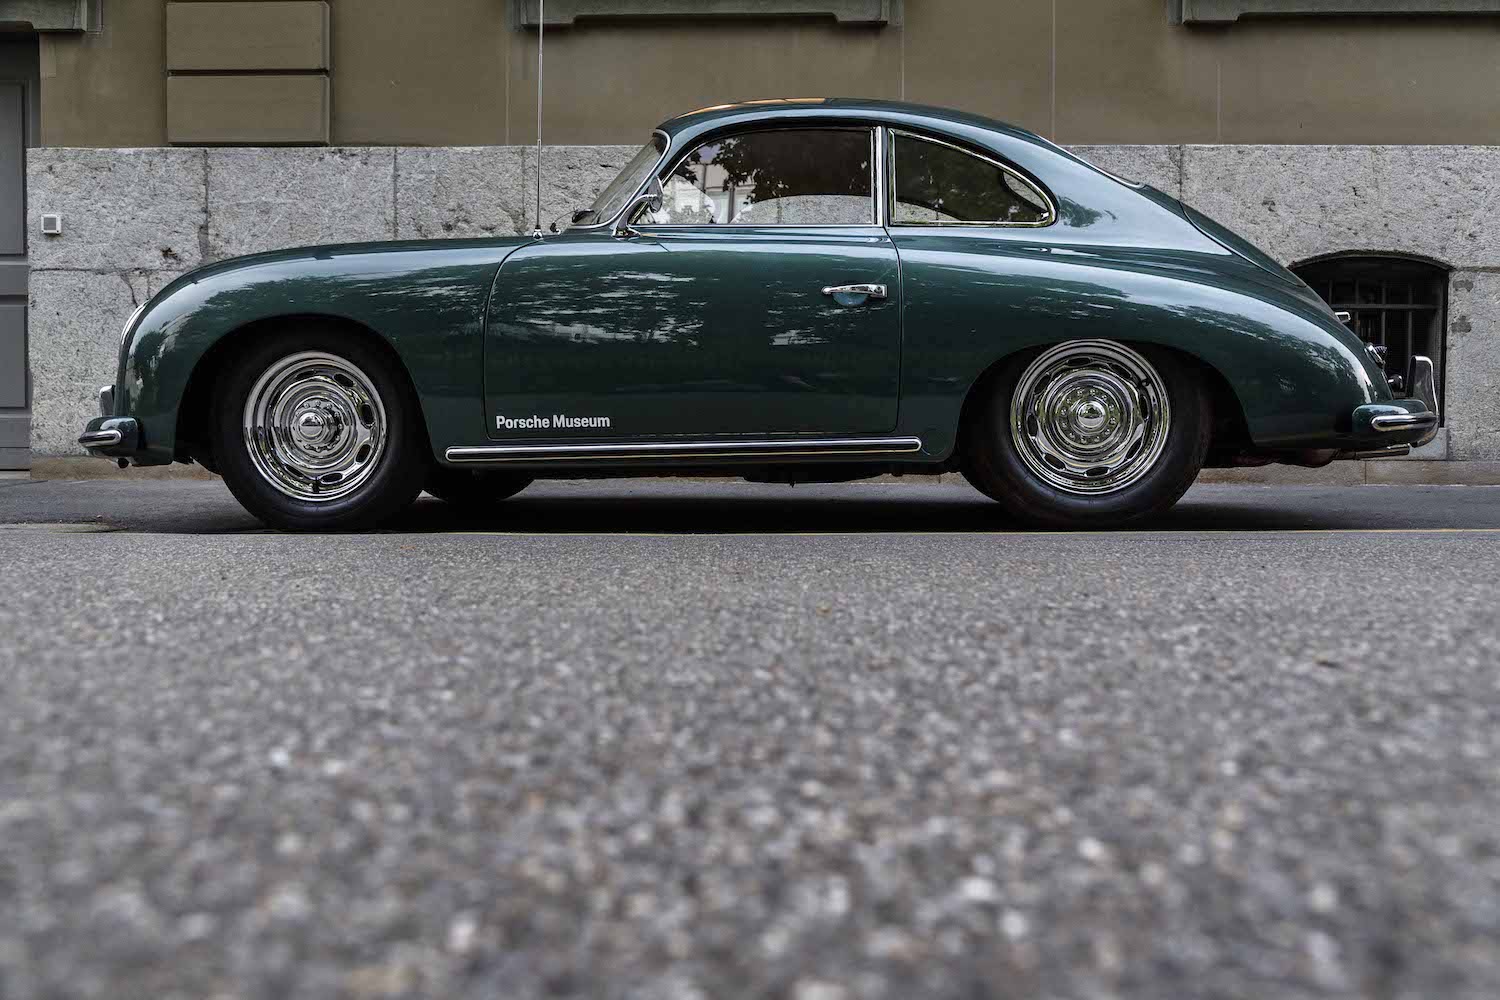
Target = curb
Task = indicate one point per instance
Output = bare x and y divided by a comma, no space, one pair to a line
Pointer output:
88,467
1393,472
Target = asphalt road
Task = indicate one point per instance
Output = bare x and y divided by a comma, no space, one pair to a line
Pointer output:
698,507
693,740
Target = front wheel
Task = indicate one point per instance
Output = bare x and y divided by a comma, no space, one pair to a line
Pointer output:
317,430
1089,433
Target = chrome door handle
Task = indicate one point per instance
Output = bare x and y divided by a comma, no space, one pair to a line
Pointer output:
869,291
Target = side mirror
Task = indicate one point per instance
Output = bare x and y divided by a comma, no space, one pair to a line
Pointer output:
650,198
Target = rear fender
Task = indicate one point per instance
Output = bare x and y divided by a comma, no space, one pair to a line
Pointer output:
1295,371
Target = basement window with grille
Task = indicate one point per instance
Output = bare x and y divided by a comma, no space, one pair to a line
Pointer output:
562,13
1394,302
1221,11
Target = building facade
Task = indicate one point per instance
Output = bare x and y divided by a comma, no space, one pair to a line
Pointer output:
1355,140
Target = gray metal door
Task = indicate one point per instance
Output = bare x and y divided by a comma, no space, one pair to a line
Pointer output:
18,129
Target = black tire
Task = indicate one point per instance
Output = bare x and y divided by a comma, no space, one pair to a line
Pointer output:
994,465
386,484
472,489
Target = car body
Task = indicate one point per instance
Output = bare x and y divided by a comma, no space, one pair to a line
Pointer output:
799,336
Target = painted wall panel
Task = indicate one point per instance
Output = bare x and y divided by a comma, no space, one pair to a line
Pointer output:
274,35
247,110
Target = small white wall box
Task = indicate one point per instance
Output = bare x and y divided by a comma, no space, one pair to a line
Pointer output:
51,224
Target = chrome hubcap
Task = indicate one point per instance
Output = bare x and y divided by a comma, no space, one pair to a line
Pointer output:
1090,417
315,426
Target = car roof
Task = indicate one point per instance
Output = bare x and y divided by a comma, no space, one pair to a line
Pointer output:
1110,210
862,109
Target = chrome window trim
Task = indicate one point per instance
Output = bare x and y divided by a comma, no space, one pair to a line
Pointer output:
1048,143
1004,167
877,168
725,227
1135,185
714,227
773,448
655,171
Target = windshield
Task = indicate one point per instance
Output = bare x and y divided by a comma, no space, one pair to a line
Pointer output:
612,199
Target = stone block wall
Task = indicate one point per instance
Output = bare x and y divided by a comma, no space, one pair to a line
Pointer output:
136,218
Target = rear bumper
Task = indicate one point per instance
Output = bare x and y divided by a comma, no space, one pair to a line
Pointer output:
1408,423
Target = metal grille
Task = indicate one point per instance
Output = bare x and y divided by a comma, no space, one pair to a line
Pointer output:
1396,303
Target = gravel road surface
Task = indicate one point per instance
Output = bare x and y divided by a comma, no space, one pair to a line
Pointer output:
694,740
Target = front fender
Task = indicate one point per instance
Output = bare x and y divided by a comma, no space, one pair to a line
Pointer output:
426,301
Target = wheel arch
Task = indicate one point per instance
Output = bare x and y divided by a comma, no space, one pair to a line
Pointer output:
193,441
1231,429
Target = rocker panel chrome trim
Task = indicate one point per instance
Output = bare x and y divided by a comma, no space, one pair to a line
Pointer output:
683,449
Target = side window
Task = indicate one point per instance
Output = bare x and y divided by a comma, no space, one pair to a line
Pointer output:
783,177
937,184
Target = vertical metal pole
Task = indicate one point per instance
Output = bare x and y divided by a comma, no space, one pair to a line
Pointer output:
541,30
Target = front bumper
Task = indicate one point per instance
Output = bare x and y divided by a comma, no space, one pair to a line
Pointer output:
1402,424
109,436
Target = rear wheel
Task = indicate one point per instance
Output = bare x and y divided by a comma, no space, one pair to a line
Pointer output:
317,430
1090,433
472,489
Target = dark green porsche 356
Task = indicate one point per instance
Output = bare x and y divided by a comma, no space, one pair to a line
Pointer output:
785,291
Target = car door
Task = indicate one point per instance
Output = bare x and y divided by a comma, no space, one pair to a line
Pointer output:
981,272
762,298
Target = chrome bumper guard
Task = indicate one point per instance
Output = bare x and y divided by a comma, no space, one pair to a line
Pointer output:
1421,380
110,436
100,439
106,433
1401,421
115,437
